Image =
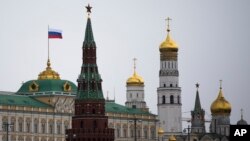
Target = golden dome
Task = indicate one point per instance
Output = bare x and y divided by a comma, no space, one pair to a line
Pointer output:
220,105
160,131
48,73
172,138
135,79
168,43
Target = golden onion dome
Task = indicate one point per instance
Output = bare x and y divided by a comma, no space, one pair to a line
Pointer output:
160,131
172,138
135,79
168,43
220,105
48,73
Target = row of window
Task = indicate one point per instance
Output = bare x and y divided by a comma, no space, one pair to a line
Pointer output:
20,127
169,65
124,133
171,99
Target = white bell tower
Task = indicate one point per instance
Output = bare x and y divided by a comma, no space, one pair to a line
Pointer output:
169,93
135,91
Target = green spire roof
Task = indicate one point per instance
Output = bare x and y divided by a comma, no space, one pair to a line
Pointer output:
89,80
89,38
197,105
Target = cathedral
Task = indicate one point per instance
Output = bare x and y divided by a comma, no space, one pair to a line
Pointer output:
49,108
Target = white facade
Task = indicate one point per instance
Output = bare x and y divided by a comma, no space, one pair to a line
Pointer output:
135,97
169,95
34,124
124,129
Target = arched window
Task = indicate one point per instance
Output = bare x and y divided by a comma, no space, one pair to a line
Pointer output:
125,133
171,99
163,99
51,128
81,124
94,124
118,132
178,99
43,128
58,128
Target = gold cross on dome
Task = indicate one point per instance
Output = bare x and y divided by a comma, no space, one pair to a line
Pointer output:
220,84
134,59
168,20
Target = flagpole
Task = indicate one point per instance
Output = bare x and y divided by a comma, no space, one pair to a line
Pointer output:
48,41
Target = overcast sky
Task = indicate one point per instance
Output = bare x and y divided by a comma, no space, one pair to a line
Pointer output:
213,38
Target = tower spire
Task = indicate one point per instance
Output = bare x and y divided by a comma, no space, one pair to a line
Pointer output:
89,112
89,81
198,115
197,99
89,38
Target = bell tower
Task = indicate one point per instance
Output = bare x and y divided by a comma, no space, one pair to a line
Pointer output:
135,91
169,93
89,122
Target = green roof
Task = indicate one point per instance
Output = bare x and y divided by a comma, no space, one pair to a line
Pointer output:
89,38
112,107
20,100
47,85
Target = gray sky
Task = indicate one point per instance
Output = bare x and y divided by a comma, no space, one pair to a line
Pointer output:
213,38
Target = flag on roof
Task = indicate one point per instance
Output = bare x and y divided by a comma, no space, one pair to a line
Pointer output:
55,33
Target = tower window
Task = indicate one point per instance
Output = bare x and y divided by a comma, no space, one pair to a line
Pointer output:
164,85
94,124
81,124
171,85
163,99
171,99
178,99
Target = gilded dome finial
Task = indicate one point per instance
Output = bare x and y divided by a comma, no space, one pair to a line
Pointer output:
168,27
48,65
220,84
134,59
48,73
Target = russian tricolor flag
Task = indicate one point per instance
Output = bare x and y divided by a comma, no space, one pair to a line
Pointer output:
55,33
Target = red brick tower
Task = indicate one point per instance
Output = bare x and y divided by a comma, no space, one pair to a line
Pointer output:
89,122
